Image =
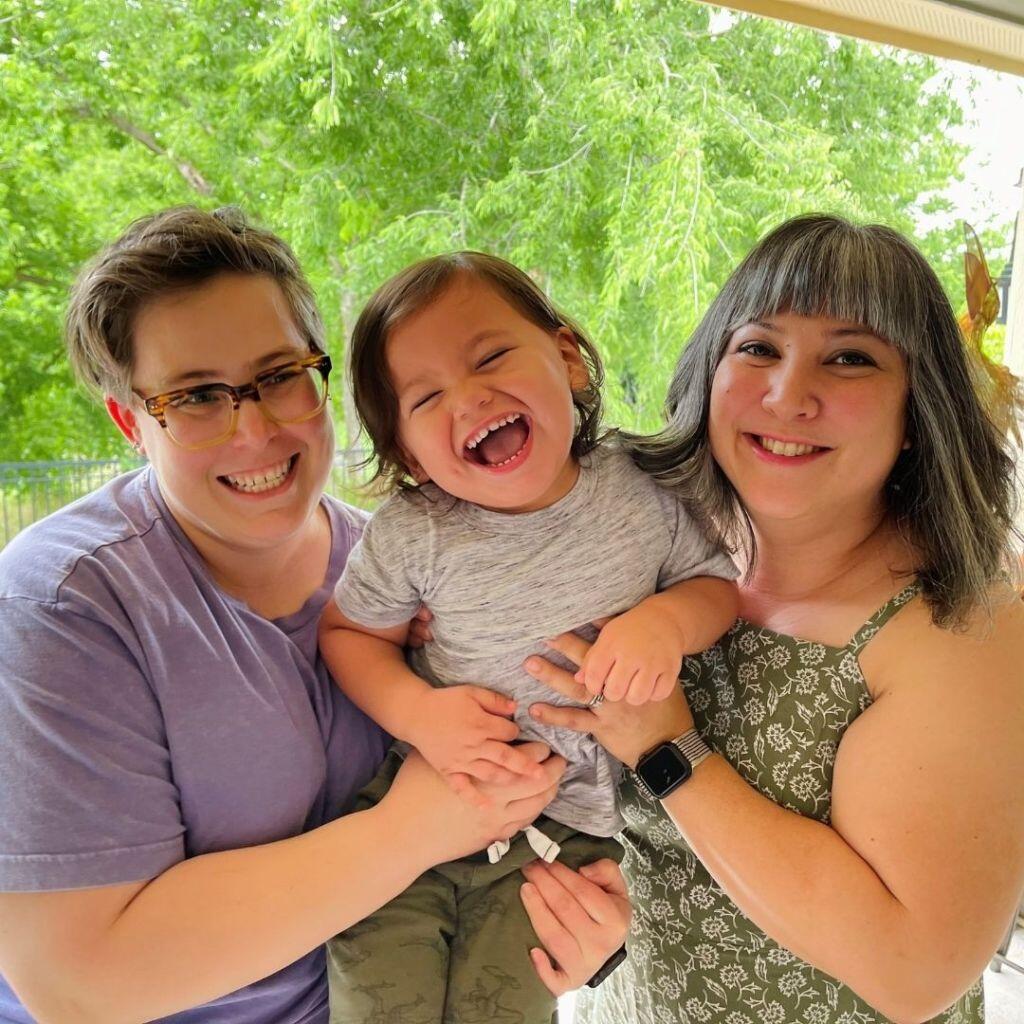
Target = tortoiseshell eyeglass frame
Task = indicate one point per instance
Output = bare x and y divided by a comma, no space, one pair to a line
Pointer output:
156,405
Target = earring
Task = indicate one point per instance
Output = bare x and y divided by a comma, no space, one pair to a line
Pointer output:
137,448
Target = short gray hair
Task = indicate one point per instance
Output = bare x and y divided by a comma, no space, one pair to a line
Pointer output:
951,494
175,249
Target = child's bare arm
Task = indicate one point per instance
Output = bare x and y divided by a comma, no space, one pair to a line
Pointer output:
370,668
460,730
639,653
703,608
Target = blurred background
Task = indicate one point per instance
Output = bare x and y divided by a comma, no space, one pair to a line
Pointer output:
626,152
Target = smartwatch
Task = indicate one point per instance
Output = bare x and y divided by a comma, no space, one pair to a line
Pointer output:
669,765
609,965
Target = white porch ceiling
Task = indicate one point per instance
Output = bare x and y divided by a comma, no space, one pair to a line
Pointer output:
989,33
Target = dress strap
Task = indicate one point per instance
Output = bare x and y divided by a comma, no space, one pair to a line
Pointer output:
882,616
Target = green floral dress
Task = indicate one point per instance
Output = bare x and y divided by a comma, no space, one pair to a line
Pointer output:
776,708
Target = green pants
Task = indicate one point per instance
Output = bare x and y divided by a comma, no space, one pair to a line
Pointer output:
454,947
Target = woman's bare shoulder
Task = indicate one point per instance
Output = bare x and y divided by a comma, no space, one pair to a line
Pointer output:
987,650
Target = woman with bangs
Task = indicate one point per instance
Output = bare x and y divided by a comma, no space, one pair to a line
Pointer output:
848,844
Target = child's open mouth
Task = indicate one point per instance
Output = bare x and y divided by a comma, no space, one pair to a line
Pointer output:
500,442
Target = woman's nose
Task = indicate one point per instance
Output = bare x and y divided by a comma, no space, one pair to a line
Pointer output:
253,427
791,393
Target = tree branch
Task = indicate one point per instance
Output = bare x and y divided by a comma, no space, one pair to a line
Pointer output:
21,277
188,171
582,151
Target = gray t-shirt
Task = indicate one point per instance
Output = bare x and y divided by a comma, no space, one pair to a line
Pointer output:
497,584
146,717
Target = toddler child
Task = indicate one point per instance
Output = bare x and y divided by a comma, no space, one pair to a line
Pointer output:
512,521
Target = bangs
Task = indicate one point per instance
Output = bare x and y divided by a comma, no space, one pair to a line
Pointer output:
950,494
863,275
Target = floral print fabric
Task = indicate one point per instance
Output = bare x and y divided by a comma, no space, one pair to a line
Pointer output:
776,708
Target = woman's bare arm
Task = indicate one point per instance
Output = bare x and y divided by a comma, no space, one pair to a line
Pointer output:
211,924
906,895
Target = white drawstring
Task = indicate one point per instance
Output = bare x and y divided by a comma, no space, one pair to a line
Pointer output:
546,849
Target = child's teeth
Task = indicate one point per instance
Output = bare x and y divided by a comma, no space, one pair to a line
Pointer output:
500,422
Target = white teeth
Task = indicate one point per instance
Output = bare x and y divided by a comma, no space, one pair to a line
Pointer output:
786,447
265,480
484,431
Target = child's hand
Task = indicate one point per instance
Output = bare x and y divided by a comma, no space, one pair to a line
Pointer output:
636,657
420,632
466,731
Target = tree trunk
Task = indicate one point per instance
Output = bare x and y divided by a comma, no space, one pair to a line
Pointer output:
350,420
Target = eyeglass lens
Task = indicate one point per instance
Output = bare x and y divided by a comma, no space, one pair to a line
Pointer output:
290,396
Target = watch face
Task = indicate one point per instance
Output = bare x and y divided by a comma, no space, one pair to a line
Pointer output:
663,769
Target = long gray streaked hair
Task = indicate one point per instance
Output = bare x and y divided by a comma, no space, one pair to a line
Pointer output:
951,494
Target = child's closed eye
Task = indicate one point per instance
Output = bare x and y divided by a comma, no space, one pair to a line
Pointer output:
492,357
420,402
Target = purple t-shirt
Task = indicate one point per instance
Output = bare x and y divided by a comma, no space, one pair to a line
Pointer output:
146,717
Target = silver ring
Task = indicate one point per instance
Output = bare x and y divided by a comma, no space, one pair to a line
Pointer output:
596,701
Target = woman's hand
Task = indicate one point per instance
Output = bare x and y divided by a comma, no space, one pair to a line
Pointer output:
449,826
581,917
626,731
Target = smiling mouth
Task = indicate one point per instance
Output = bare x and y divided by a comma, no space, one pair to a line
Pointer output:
499,442
262,480
790,449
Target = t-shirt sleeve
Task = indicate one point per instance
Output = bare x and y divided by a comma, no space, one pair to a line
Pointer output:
86,792
380,584
691,552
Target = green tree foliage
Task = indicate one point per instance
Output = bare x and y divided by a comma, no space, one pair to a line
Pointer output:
618,149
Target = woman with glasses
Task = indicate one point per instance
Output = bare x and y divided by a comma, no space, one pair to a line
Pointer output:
175,763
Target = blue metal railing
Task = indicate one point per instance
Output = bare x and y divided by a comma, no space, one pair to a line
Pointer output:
31,490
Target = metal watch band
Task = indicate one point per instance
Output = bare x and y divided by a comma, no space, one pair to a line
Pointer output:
693,748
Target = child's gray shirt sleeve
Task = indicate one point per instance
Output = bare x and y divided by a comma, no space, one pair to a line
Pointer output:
380,584
691,553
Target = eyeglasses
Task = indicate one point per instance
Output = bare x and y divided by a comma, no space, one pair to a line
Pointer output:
202,416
